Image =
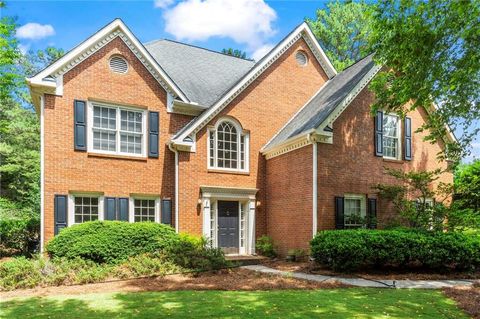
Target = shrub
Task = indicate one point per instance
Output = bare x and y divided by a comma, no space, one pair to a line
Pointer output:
349,250
111,241
265,246
146,265
19,229
192,252
40,271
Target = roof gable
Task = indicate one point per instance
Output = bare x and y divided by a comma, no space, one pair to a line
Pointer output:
328,102
302,31
51,77
203,75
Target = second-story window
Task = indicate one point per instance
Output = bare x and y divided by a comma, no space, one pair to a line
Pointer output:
228,146
117,130
391,136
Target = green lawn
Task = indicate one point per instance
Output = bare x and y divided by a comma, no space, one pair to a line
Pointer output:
334,303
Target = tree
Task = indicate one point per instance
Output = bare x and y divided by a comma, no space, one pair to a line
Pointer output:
343,30
9,54
236,53
415,199
467,186
431,56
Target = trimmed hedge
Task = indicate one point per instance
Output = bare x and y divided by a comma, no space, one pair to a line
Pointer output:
111,241
348,250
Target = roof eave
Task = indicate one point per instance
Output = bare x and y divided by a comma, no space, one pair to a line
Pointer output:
77,54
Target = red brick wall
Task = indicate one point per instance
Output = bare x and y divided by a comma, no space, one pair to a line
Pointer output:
263,108
289,195
349,165
67,170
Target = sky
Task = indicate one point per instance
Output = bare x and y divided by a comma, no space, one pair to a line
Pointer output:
254,26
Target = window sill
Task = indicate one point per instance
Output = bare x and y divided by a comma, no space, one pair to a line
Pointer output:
392,160
213,170
124,157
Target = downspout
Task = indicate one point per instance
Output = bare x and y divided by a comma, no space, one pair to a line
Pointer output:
42,172
171,147
312,139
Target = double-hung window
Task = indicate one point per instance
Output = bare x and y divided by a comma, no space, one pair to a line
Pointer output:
117,130
144,210
391,136
354,211
228,147
86,208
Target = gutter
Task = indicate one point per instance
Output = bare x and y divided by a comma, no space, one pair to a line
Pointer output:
42,173
171,147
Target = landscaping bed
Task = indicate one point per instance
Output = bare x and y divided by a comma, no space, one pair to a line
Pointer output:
227,279
467,298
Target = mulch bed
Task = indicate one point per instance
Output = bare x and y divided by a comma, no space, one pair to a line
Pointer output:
233,279
389,274
467,298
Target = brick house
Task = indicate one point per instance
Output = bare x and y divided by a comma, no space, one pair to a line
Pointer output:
216,145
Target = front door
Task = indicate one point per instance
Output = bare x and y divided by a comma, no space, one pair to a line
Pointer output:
228,227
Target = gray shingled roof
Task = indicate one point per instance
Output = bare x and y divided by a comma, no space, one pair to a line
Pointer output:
326,100
202,75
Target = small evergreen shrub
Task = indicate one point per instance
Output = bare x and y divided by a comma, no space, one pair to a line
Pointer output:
349,250
193,253
111,241
265,246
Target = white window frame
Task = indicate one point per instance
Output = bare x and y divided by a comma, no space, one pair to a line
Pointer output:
399,136
131,209
240,133
118,108
71,206
363,207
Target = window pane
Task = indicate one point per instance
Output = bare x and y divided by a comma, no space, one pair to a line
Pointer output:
144,210
390,136
86,209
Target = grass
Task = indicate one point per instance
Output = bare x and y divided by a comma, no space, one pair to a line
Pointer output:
332,303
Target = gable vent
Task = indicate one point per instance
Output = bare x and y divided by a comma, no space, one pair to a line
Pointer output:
118,64
301,58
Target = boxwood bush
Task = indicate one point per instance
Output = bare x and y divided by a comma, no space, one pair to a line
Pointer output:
349,250
111,241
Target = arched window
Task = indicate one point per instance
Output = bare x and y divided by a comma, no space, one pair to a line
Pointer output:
228,146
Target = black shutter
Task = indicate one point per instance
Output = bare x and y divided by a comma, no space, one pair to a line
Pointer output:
372,213
80,127
153,134
123,209
408,138
110,208
166,212
60,213
339,214
379,134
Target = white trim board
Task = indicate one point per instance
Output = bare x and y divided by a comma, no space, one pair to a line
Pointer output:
51,77
302,31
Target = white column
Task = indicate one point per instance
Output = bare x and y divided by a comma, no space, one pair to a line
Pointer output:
251,227
314,191
206,218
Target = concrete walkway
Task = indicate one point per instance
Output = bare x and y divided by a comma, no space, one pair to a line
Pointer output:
360,282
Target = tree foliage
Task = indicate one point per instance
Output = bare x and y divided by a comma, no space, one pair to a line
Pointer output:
9,54
343,30
431,54
467,187
412,194
19,142
236,53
